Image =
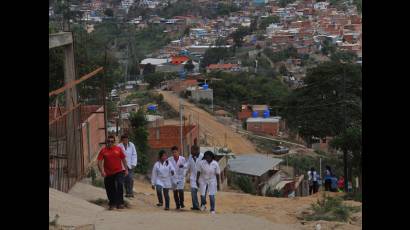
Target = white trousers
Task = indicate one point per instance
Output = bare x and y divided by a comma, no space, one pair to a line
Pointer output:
212,187
178,184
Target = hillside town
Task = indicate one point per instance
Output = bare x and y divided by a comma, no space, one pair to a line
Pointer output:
270,88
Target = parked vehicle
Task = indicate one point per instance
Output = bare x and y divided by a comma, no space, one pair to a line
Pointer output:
280,150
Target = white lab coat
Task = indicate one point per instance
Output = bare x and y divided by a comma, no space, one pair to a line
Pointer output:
178,180
130,154
161,174
315,176
192,168
207,176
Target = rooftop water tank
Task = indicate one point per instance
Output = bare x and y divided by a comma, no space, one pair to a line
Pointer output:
255,114
266,113
205,86
152,107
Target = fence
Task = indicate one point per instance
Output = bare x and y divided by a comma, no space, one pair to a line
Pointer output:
77,128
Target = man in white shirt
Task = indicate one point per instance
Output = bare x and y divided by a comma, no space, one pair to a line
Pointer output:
131,156
178,180
193,161
313,181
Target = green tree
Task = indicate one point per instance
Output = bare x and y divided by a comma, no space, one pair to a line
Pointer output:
284,3
344,56
328,47
316,109
358,4
154,79
350,141
265,22
109,12
283,70
239,34
148,69
139,136
214,55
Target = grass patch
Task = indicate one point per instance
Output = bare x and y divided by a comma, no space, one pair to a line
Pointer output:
98,183
356,196
330,209
243,183
104,202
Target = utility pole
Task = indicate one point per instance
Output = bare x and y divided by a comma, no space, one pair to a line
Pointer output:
181,124
345,127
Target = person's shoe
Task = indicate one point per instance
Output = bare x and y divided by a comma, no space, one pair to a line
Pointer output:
131,195
127,195
178,208
121,206
182,206
203,208
111,207
159,204
166,209
212,212
196,209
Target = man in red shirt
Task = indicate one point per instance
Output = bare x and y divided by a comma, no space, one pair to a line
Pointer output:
114,170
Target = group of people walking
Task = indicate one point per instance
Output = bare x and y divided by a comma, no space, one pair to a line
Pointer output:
116,164
331,184
170,173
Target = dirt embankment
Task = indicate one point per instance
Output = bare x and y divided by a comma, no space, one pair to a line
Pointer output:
215,132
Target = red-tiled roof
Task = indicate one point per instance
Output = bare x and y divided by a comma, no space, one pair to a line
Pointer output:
179,59
222,66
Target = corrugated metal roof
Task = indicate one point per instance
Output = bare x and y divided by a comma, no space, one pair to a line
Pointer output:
259,107
261,119
255,164
282,184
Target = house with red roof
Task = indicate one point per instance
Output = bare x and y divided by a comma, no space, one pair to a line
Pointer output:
178,60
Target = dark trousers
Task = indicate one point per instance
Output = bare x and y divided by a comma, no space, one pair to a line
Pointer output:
313,188
161,190
114,186
328,184
194,195
179,198
211,200
129,183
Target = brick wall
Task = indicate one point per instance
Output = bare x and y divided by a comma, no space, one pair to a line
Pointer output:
242,115
264,127
92,136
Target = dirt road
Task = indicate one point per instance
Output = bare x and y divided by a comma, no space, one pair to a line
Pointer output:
233,211
213,131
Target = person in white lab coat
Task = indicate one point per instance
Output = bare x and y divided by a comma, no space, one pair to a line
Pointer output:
131,156
208,175
161,178
178,180
193,160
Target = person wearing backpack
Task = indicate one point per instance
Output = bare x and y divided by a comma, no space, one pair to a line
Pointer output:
328,178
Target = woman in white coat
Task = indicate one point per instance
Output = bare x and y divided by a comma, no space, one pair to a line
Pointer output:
208,175
161,178
178,180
